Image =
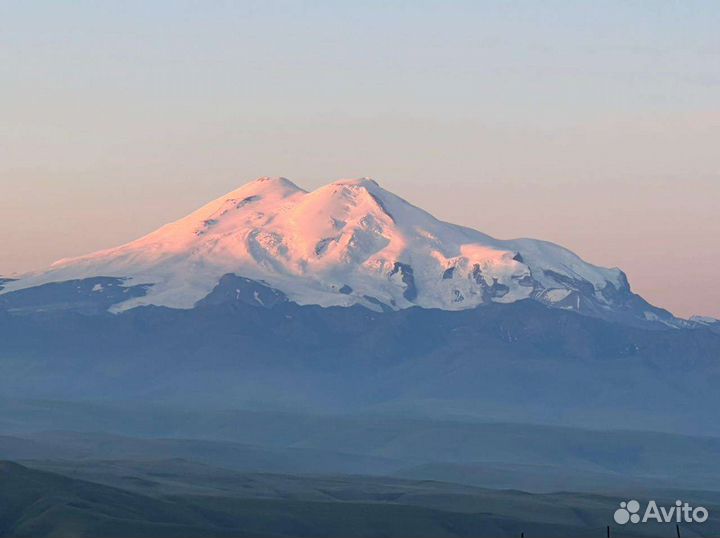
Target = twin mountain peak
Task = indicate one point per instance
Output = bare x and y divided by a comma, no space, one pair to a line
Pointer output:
349,242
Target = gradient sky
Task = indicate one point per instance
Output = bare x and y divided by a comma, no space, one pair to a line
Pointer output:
595,125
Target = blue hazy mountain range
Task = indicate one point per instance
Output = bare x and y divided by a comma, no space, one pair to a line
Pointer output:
246,344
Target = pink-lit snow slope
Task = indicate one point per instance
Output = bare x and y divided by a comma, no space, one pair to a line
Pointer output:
350,235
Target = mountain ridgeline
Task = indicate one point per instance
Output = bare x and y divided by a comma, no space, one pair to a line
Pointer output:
350,299
348,243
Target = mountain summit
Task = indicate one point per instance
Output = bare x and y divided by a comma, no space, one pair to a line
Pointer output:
349,242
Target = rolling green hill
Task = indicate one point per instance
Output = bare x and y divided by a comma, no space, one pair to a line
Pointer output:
36,503
179,498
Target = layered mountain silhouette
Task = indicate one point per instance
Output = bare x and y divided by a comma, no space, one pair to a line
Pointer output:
349,299
340,362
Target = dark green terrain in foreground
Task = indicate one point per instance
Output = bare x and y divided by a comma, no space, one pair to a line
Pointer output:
180,498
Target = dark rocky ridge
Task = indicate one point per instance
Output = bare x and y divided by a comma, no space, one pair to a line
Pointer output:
246,342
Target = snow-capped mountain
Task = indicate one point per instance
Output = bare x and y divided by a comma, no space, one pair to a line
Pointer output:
349,242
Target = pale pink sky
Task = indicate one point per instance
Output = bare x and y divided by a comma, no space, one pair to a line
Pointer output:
593,126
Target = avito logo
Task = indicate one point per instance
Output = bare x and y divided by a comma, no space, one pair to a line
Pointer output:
629,512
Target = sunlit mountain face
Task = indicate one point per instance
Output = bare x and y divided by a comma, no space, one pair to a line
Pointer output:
348,243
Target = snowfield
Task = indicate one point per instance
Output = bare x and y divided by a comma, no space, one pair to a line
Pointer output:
349,242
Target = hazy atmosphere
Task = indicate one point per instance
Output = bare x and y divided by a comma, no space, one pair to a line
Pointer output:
440,269
592,126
